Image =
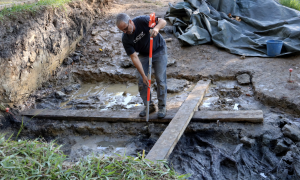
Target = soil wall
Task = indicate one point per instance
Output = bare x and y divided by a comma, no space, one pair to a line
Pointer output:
33,45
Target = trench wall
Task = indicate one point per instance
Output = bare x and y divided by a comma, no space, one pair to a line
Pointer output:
33,45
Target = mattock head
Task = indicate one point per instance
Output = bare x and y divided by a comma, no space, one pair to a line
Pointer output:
153,20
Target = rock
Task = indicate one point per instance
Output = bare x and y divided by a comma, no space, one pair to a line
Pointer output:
60,95
126,63
248,141
168,39
280,147
266,139
168,29
71,88
243,79
176,85
68,61
292,132
85,106
78,54
171,62
288,158
296,165
76,58
287,141
95,32
114,30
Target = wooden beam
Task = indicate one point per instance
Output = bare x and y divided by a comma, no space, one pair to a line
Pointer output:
169,138
253,116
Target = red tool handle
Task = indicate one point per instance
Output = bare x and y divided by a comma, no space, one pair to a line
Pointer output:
149,76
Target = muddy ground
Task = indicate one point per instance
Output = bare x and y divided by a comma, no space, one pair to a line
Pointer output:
98,75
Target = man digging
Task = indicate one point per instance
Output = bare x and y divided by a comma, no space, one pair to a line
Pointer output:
136,38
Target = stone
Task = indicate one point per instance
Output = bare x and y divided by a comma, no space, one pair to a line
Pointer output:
60,95
176,85
71,88
168,29
76,59
78,54
248,141
114,30
280,147
82,106
68,61
168,39
243,79
126,63
95,32
266,139
292,132
288,158
171,62
287,141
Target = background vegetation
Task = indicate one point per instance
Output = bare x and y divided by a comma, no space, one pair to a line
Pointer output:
295,4
31,7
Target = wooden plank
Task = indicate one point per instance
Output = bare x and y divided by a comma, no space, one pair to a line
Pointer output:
169,138
100,116
253,116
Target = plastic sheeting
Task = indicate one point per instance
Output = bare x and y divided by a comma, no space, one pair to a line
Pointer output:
198,22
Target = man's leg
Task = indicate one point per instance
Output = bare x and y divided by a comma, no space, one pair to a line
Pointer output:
143,87
160,68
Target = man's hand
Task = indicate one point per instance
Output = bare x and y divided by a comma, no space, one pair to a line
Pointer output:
145,80
153,32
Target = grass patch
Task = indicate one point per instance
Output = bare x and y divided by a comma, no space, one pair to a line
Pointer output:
3,2
35,159
33,7
295,4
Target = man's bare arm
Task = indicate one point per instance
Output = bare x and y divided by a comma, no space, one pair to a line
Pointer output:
160,24
137,63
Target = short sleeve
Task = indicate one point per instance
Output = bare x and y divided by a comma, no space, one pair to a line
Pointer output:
127,46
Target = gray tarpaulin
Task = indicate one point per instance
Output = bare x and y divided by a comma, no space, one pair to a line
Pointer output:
198,21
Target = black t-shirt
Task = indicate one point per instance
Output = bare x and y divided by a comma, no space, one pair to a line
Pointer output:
139,41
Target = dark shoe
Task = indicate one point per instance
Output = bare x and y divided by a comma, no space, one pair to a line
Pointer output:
151,110
161,113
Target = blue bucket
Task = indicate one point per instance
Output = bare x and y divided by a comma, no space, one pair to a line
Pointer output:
274,47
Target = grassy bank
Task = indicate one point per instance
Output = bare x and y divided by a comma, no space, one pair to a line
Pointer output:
295,4
32,7
39,160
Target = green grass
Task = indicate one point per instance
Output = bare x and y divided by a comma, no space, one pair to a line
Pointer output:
295,4
2,2
33,7
34,159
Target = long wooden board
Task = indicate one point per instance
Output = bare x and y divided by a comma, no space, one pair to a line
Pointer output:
169,138
254,116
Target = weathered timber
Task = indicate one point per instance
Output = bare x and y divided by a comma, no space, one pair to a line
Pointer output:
254,116
169,138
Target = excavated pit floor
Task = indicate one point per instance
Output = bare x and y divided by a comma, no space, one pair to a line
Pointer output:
100,76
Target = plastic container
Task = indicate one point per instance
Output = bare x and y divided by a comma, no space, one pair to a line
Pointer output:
274,47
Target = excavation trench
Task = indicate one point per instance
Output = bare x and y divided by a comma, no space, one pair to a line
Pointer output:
97,75
226,150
